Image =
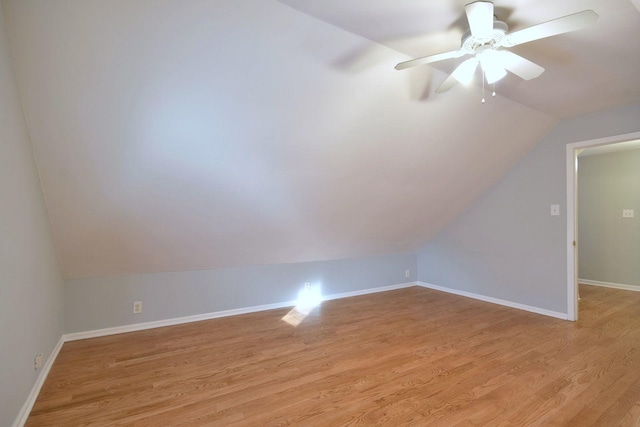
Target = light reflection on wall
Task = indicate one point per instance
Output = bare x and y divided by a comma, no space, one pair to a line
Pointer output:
308,298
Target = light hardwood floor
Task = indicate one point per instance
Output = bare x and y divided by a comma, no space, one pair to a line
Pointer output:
409,357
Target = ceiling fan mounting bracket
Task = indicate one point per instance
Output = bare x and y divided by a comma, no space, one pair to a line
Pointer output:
470,43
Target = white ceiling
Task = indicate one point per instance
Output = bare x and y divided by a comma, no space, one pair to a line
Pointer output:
588,70
179,135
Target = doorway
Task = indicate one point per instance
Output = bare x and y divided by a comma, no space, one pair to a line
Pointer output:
573,149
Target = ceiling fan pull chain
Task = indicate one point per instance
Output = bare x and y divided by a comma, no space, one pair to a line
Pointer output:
483,77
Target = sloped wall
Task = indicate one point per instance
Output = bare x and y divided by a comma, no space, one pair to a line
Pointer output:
234,133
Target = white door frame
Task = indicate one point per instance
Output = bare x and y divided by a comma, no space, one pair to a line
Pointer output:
572,176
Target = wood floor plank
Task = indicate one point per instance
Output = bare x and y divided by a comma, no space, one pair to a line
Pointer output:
409,357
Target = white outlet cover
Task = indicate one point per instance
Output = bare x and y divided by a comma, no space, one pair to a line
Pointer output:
137,307
37,362
627,213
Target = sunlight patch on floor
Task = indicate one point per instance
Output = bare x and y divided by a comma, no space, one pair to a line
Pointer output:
308,298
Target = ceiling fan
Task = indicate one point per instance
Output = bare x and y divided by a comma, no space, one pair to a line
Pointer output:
487,39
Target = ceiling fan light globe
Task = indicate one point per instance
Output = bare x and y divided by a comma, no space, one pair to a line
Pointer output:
491,63
494,73
465,71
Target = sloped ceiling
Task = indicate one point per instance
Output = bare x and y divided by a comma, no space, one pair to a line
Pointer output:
182,135
586,71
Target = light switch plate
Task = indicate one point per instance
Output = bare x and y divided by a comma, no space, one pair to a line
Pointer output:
627,213
555,210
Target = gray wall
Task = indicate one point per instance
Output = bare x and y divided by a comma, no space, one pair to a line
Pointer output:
609,245
31,289
507,245
107,302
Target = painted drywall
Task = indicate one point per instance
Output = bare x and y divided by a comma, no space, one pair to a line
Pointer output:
197,135
507,245
608,244
108,302
579,63
31,288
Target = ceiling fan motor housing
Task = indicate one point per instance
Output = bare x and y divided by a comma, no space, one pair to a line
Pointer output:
470,43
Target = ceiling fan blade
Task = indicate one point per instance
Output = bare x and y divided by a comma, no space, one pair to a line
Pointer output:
480,17
554,27
518,65
430,58
462,74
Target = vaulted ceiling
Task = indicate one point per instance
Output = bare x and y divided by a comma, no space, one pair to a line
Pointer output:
180,135
587,70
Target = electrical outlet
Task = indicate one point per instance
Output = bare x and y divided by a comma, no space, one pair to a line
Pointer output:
407,273
307,286
627,213
37,361
137,307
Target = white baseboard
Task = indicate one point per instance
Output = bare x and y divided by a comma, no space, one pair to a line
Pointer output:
21,419
74,336
609,285
217,314
28,405
369,291
492,300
